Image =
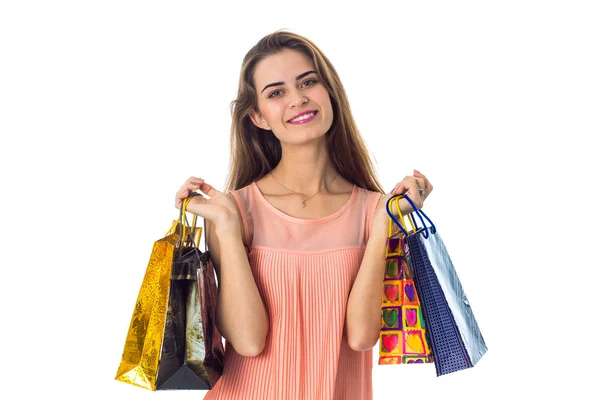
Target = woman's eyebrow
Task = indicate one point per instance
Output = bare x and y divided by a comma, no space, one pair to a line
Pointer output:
302,75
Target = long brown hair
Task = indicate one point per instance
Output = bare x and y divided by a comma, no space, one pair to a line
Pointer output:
255,151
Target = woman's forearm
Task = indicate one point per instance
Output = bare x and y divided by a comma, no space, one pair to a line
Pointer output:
363,312
241,315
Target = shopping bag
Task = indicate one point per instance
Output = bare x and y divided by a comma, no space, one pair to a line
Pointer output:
173,342
455,337
190,356
402,338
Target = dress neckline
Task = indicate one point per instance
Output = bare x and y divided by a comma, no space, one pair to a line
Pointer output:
304,220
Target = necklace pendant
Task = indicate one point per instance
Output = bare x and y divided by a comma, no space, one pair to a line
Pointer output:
303,203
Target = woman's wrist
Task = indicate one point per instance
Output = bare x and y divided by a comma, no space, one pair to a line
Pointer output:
379,226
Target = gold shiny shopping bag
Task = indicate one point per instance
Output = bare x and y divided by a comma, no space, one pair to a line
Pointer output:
145,346
139,362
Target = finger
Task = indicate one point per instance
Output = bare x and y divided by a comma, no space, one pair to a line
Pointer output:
189,186
193,179
423,190
208,190
428,186
420,183
404,183
179,197
400,188
181,194
409,187
196,205
413,192
413,186
193,185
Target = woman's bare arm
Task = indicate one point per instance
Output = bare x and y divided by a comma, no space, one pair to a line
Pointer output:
363,312
241,314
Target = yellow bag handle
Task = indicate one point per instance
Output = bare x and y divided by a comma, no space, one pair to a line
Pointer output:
391,233
390,228
401,219
197,232
393,230
186,229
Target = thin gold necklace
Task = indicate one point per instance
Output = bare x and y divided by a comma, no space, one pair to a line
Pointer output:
305,200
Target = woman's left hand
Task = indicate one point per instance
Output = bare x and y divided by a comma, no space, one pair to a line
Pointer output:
417,187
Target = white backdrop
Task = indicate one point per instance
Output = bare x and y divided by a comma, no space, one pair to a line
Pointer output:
106,107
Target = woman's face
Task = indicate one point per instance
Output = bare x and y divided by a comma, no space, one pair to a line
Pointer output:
286,87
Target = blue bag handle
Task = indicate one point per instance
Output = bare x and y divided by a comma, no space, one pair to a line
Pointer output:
419,213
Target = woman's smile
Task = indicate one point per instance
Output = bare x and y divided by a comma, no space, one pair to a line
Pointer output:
304,118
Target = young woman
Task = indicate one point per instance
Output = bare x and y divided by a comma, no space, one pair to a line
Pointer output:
298,237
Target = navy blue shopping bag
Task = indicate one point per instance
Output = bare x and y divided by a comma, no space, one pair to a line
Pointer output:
453,332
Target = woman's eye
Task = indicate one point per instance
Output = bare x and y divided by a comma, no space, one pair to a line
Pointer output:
271,95
313,82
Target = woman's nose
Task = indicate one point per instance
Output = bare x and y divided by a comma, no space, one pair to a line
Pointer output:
298,99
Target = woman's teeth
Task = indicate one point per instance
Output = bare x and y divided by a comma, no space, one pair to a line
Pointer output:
300,118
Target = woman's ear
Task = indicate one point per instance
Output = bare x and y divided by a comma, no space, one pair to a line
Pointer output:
258,120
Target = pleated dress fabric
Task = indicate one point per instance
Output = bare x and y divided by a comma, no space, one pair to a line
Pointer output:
304,270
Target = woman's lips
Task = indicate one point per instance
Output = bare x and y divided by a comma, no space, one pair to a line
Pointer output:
305,120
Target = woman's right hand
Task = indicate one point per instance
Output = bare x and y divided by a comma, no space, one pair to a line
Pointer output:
220,209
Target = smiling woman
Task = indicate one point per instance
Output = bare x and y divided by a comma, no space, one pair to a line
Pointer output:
296,99
298,237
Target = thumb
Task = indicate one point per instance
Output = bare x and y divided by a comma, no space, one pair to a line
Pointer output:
208,190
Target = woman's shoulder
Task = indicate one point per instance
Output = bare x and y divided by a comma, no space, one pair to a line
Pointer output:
243,193
369,191
243,188
370,195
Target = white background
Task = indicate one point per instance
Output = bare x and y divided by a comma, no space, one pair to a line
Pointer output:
107,107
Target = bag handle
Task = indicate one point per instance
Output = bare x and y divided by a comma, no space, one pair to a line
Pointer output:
411,218
186,229
394,201
419,213
392,218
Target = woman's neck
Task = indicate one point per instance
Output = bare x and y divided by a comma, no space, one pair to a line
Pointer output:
305,170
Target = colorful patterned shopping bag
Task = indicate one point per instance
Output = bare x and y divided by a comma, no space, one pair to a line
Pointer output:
453,332
403,338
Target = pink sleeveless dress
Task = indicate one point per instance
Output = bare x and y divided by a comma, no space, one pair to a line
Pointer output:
304,271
